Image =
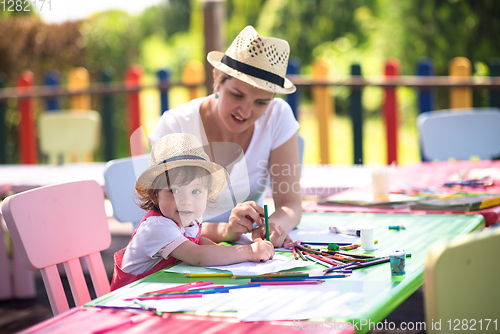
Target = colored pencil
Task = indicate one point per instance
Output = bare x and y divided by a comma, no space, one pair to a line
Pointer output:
370,263
291,274
182,287
210,275
147,308
347,265
289,282
314,243
266,217
184,295
310,258
288,279
300,253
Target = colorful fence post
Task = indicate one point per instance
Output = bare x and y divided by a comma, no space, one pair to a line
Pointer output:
3,125
107,116
193,73
132,80
390,109
27,131
51,79
426,96
356,111
494,66
163,77
293,99
460,97
79,80
323,104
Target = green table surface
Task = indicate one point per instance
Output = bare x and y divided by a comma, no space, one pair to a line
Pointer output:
381,291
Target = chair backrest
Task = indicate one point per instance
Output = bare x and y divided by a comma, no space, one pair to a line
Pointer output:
300,142
59,224
72,134
119,179
460,134
461,282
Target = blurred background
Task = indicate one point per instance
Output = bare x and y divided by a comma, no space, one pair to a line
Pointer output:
53,38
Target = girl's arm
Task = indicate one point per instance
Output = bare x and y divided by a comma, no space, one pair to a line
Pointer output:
219,255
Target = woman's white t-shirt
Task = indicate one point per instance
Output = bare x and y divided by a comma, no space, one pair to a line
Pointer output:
249,172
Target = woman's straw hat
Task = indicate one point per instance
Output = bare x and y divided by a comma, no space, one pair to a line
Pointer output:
258,61
180,150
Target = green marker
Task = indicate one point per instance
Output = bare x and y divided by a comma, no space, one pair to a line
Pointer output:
266,217
397,228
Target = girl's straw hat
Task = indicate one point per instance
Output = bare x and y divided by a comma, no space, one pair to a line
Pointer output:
180,150
258,61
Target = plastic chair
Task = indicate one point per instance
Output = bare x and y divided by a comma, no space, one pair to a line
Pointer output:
300,143
119,179
72,134
460,134
461,282
59,224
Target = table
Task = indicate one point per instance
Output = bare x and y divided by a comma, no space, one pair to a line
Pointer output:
424,175
381,292
18,178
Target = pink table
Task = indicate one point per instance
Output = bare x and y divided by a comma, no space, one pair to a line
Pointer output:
89,319
426,175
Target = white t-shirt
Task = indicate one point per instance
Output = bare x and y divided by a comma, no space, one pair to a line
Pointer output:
154,240
248,172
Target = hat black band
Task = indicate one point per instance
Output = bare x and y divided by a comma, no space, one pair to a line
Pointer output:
253,71
182,157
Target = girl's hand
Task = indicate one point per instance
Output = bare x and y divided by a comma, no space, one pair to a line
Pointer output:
262,251
277,235
243,217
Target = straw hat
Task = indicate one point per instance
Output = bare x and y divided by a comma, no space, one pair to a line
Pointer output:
180,150
258,61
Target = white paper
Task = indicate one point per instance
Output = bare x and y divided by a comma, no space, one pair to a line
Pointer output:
322,235
252,304
278,263
293,302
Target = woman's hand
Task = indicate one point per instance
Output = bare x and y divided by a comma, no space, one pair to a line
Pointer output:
277,235
242,219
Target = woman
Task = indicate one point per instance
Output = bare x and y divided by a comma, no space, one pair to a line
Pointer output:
250,132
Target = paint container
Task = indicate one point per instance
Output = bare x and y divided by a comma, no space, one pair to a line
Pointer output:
397,259
367,239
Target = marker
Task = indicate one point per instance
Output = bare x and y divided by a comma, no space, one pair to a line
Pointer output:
347,231
397,228
147,308
266,217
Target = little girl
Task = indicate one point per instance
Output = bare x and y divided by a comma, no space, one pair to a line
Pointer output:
175,191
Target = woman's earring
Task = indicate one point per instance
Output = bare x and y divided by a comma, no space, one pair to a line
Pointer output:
216,95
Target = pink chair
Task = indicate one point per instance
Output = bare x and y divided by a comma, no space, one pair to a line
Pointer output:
59,224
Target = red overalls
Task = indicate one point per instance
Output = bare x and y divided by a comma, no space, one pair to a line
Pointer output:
121,278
